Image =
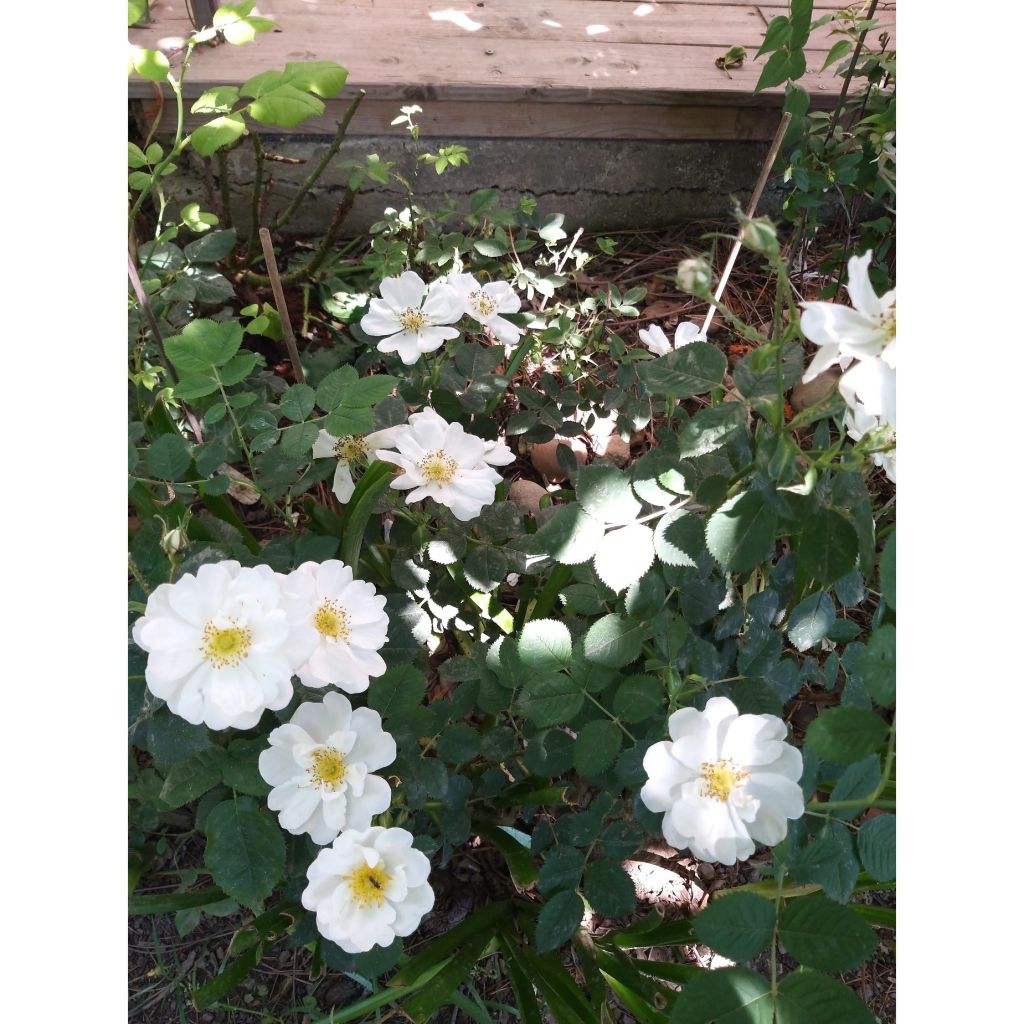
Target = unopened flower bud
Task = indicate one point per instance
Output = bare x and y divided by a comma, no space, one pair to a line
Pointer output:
173,542
694,276
759,234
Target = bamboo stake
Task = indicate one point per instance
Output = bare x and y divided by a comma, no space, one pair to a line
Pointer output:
282,308
755,198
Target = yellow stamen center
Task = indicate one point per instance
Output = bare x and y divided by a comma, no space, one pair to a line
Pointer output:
483,303
438,467
366,885
328,768
412,319
721,778
332,621
889,323
350,447
226,646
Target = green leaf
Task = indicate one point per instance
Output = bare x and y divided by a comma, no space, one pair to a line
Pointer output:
827,547
286,107
238,367
876,844
151,64
571,536
877,666
297,402
846,734
679,538
458,743
810,621
136,9
614,641
297,441
609,890
829,861
776,35
332,388
170,739
597,746
202,345
245,850
368,391
735,995
887,572
691,370
561,869
737,925
396,693
322,77
808,996
228,978
638,698
216,134
211,248
238,25
604,492
741,532
188,780
838,51
824,935
624,555
544,646
169,903
485,568
709,429
218,100
551,699
241,770
345,421
169,457
559,918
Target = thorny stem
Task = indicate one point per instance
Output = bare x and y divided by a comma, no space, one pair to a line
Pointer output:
848,77
225,188
314,175
279,299
257,190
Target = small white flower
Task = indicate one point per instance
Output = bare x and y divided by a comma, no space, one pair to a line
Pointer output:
368,888
319,764
441,461
222,646
346,450
657,342
350,623
411,316
859,422
724,781
844,334
485,304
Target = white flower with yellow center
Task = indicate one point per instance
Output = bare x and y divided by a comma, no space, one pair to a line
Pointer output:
411,316
486,302
656,341
319,765
348,450
866,331
350,623
723,781
368,887
222,646
441,461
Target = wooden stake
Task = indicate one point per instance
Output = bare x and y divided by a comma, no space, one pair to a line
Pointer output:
755,198
282,308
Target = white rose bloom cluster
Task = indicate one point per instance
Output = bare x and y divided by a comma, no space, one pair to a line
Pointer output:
723,781
862,341
413,318
224,643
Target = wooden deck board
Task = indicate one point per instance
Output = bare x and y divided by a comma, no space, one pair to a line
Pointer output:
476,62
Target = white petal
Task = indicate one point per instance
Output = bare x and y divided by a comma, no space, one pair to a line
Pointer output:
858,285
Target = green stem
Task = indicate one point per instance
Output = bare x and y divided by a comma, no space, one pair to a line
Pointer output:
560,575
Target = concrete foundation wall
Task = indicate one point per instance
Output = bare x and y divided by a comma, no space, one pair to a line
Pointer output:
601,185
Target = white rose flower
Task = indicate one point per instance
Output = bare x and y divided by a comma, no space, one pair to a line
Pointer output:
844,334
347,450
485,304
319,765
724,781
441,461
368,888
222,646
656,341
350,623
411,316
